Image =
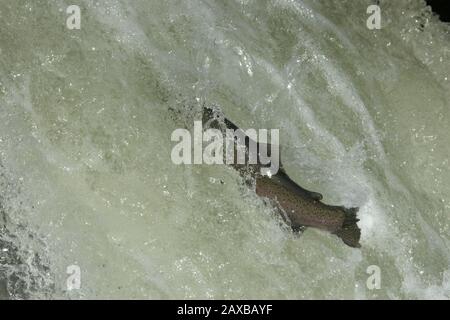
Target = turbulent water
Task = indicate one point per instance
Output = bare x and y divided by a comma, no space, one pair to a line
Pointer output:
86,178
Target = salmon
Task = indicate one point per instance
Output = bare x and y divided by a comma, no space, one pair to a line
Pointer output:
299,207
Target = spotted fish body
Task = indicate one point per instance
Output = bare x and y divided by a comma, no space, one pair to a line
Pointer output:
302,211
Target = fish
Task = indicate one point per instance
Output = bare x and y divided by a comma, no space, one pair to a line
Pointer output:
299,207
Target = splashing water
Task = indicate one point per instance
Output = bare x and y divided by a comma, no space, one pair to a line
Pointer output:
85,173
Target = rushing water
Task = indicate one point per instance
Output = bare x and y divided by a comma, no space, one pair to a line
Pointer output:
85,123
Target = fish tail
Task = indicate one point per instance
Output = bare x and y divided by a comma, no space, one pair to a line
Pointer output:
350,232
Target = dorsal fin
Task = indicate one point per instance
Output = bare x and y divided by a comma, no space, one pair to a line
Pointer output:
285,180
